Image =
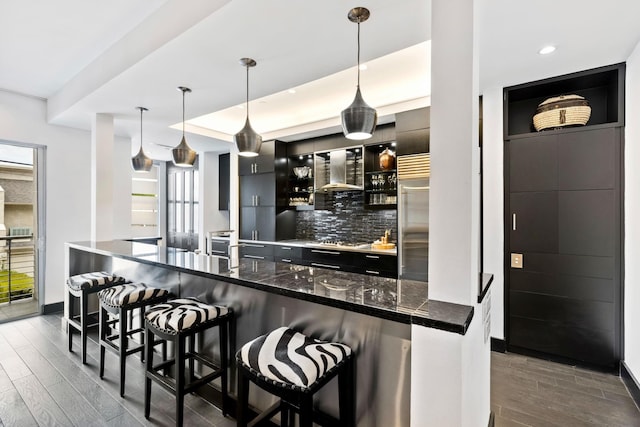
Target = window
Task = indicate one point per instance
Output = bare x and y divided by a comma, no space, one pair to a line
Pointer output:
145,203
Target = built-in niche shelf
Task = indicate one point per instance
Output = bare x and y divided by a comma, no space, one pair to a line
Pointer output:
603,87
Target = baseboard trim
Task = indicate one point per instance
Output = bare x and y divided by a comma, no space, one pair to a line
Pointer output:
56,307
498,345
492,419
630,381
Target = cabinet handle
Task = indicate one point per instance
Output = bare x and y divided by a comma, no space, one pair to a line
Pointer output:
257,200
218,252
373,256
284,248
254,256
285,260
335,267
325,252
251,245
513,221
256,235
372,272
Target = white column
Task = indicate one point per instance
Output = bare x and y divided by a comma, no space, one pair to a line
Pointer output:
453,202
450,373
102,170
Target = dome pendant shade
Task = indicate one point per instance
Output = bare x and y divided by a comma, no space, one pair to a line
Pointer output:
183,155
358,119
140,162
248,141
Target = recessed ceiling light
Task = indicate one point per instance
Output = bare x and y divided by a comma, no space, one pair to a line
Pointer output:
547,50
291,91
363,67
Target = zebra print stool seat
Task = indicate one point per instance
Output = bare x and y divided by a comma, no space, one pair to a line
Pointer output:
176,321
293,367
117,305
79,287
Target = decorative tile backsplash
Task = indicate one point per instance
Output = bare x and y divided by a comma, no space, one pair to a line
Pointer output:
345,219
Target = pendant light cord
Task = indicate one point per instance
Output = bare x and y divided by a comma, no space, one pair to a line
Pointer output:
183,92
141,128
247,92
358,53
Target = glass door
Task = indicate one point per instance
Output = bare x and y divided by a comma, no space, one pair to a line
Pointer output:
21,229
182,207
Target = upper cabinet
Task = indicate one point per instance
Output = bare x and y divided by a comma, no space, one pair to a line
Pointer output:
224,172
602,87
380,176
412,131
263,163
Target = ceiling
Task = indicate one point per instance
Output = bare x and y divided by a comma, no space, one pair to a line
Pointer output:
109,57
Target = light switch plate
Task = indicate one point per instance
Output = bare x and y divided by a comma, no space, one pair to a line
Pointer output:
516,260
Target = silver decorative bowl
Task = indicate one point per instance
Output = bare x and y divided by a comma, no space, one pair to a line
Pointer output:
301,171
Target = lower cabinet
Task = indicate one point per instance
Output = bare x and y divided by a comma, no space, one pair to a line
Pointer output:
219,247
288,254
327,258
257,223
376,264
256,251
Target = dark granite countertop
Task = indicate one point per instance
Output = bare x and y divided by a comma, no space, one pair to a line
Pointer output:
364,248
402,301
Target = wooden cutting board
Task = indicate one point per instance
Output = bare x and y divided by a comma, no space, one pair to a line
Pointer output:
375,245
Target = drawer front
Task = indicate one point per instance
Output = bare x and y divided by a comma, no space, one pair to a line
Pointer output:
219,248
256,251
327,258
287,252
377,264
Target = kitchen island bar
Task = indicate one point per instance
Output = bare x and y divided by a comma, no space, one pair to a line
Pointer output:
373,315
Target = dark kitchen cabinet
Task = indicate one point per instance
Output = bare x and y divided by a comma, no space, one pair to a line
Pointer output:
563,215
261,191
258,190
288,254
376,264
259,251
224,181
219,247
258,223
413,131
328,258
380,186
262,163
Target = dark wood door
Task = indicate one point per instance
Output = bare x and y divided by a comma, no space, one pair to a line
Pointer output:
563,215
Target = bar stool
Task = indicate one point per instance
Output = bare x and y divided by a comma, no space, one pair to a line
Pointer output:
117,304
294,367
80,286
175,321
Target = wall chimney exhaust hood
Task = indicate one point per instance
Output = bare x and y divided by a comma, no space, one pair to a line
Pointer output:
339,170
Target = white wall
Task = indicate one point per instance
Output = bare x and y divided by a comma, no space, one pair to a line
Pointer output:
211,217
68,181
122,188
68,195
632,213
493,194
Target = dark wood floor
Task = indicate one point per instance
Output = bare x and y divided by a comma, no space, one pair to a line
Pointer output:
533,392
42,384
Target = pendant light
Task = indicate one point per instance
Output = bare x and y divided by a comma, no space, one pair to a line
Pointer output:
183,155
358,119
247,140
140,162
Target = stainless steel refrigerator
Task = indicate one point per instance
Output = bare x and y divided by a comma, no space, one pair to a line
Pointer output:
413,224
